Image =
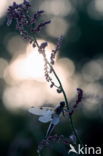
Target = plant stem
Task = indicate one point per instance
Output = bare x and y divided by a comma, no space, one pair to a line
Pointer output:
67,105
64,94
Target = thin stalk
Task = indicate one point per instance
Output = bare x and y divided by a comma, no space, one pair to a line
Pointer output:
67,105
59,84
64,94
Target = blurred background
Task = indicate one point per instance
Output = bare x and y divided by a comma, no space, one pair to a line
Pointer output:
78,64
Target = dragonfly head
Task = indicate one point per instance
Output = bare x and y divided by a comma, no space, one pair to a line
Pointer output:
62,103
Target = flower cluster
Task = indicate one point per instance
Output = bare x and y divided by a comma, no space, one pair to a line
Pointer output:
57,48
48,66
47,74
47,71
55,139
79,99
26,24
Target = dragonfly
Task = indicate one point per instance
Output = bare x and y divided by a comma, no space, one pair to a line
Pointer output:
47,114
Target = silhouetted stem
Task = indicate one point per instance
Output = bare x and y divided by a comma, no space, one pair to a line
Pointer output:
64,94
66,101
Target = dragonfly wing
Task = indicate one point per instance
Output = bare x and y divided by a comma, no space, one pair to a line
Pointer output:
46,118
35,110
39,110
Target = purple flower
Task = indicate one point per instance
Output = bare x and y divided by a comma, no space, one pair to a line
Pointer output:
38,13
43,46
58,45
25,23
27,3
17,12
52,84
52,140
59,90
79,99
38,28
35,17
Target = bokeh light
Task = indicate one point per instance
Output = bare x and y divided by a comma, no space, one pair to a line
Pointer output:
95,9
99,6
24,95
12,43
3,65
92,71
94,97
55,31
57,7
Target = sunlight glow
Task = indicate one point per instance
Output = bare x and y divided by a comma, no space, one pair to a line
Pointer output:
25,76
29,65
24,95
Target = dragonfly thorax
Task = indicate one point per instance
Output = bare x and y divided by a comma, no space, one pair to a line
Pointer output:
59,108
